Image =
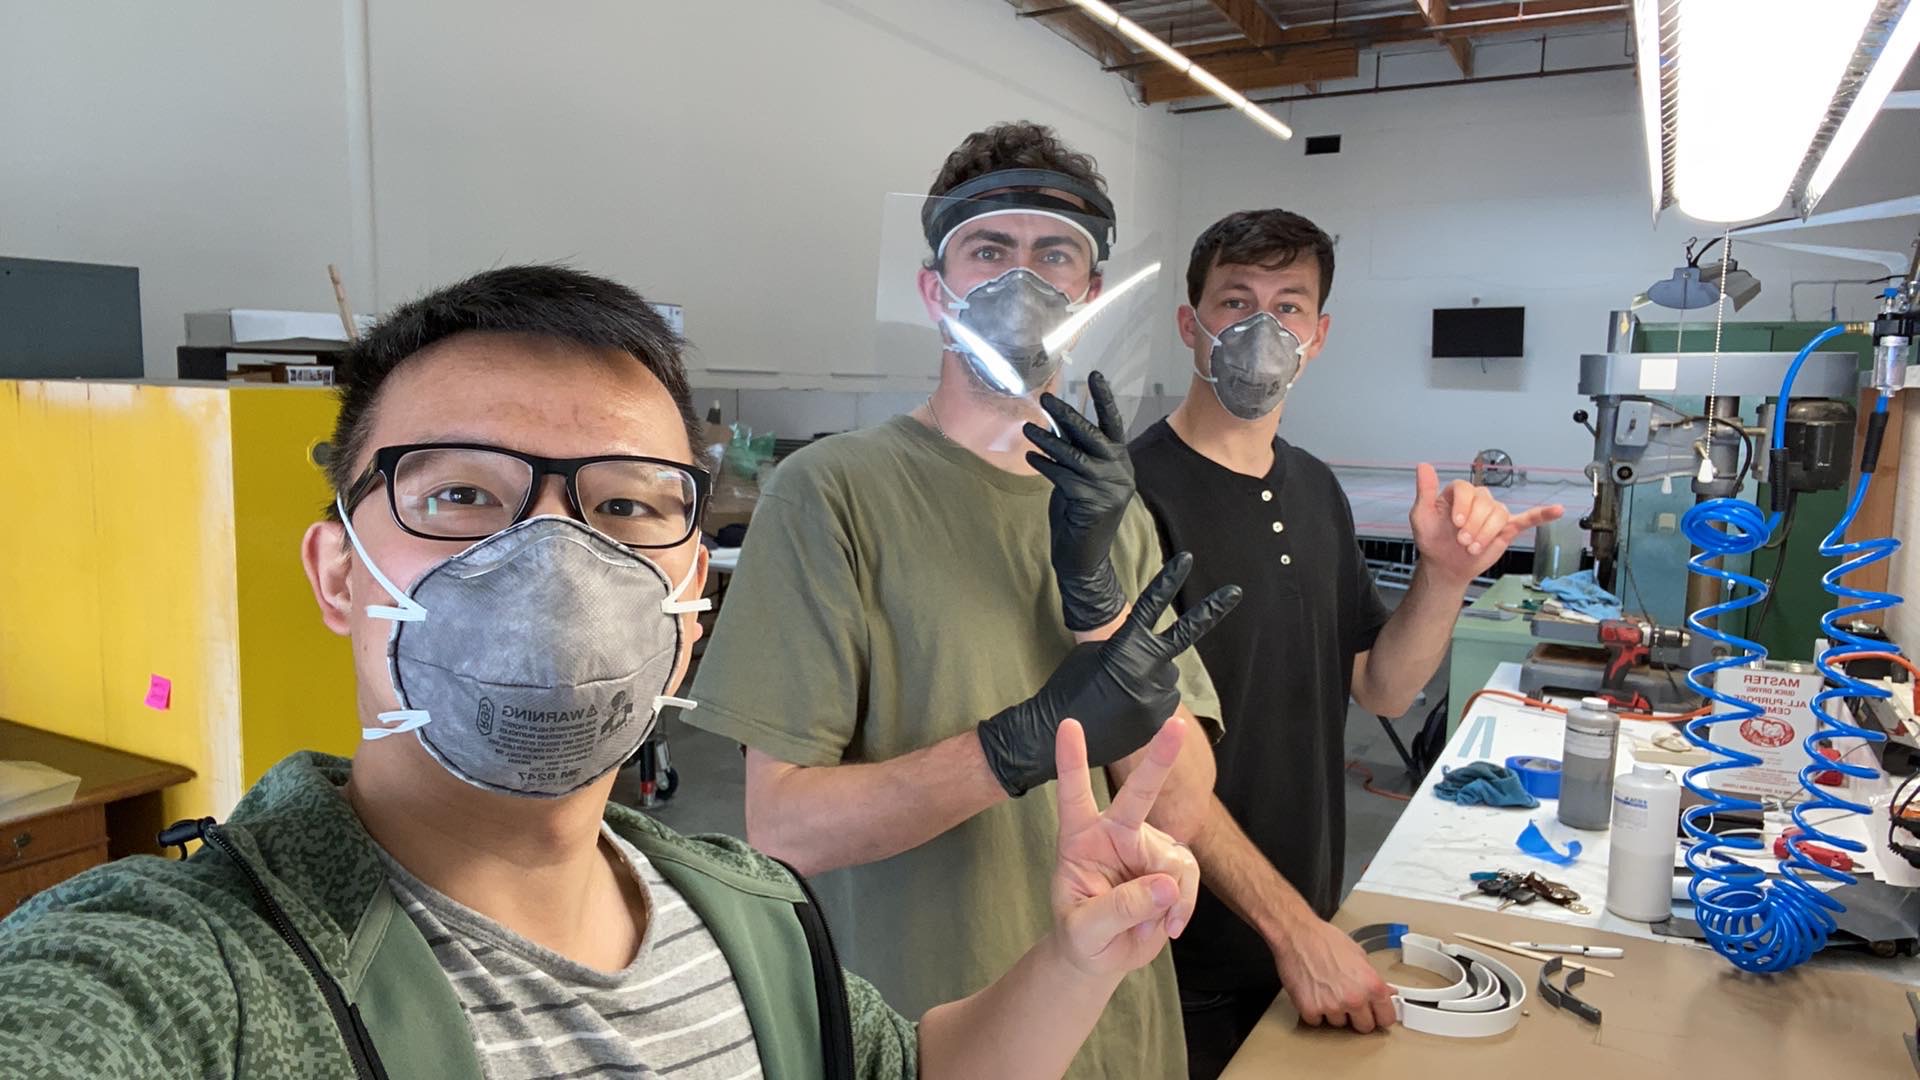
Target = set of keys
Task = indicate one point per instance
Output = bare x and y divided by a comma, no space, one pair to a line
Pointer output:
1512,887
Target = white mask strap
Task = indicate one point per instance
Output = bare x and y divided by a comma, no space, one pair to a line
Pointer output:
661,701
409,609
408,720
673,605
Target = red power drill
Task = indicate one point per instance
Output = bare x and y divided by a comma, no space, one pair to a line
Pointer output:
1627,644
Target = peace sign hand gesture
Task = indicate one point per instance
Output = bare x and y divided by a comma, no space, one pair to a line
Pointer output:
1122,688
1121,887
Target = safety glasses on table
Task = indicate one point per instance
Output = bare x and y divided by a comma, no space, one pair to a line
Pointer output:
467,491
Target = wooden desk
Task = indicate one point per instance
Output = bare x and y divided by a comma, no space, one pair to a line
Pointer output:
1670,1010
115,812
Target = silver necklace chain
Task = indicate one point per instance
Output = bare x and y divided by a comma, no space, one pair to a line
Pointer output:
935,416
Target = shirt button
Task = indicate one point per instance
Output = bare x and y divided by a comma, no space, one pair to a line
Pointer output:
1266,496
1279,527
1286,560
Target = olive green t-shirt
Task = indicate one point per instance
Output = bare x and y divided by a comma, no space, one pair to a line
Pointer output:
894,591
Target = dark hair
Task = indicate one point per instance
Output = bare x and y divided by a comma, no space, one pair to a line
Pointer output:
555,302
1269,239
1020,144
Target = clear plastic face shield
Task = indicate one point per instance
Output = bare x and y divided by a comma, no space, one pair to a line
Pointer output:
1013,293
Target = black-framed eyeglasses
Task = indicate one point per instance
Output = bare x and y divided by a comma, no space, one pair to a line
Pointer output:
469,491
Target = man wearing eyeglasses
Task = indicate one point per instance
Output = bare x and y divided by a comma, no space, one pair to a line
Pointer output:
908,592
512,552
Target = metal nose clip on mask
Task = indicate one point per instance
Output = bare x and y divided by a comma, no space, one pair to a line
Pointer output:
1001,327
1254,362
522,663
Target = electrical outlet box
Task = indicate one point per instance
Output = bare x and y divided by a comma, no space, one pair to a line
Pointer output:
1633,423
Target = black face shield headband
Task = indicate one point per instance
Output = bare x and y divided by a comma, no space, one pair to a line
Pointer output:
1093,212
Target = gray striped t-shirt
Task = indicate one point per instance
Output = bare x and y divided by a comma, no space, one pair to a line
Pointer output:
674,1013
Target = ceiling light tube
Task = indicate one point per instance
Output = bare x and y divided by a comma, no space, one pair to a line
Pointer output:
1887,69
1749,102
1756,78
1179,61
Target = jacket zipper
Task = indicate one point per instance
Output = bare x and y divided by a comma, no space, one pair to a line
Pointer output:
346,1015
829,985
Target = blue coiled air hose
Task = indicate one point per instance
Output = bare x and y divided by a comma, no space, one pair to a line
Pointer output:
1757,926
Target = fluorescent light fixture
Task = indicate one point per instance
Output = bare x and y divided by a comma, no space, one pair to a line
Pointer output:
1178,60
1886,70
1746,102
1646,29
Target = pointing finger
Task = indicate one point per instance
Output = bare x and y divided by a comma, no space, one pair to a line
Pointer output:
1136,797
1111,423
1195,624
1078,429
1158,594
1077,808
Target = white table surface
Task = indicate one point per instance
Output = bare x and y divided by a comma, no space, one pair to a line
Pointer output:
1437,844
723,559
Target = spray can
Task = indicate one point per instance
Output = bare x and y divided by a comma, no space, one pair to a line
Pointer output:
1586,764
1646,817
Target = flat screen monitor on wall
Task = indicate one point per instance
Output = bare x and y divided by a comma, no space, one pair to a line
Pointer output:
1479,332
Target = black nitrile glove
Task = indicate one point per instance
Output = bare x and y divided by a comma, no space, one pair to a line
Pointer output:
1092,485
1121,689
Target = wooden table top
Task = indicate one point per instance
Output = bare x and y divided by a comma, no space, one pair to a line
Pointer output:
106,775
1670,1010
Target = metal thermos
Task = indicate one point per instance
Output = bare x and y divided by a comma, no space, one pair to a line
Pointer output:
1586,765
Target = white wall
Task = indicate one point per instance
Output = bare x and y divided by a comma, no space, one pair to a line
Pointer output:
205,143
731,157
735,158
1530,193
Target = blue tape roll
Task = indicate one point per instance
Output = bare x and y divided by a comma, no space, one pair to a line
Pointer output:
1539,775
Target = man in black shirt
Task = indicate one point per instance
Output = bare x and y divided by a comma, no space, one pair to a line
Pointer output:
1272,518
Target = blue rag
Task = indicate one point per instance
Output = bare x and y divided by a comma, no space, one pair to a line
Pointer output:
1580,592
1484,784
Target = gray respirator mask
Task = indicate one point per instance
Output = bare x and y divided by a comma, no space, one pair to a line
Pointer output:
1254,363
1002,325
536,661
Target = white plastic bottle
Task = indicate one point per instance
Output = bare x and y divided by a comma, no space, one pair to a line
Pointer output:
1646,815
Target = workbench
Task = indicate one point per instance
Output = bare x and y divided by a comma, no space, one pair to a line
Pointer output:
1492,635
1672,1000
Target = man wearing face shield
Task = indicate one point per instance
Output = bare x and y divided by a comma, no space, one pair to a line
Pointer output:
513,554
1263,513
916,605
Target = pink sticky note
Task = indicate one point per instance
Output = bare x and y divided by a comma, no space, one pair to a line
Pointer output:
159,692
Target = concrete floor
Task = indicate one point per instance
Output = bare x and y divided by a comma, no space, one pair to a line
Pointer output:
712,780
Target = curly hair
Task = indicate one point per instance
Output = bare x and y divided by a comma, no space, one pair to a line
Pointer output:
1020,144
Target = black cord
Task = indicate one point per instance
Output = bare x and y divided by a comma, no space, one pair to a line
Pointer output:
1896,811
1747,450
1745,461
1779,567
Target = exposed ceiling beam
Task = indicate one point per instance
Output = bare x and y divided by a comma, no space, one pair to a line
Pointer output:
1252,20
1533,15
1255,72
1358,34
1398,29
1438,13
1084,31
